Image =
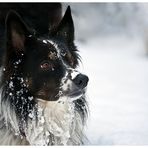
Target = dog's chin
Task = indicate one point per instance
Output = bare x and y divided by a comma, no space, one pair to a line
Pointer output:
45,97
73,92
41,97
77,93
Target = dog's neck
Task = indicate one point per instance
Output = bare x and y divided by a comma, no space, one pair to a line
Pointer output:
58,123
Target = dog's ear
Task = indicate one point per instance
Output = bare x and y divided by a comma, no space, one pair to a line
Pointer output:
65,28
16,31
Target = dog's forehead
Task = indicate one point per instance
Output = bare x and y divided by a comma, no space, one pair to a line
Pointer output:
48,45
43,47
54,48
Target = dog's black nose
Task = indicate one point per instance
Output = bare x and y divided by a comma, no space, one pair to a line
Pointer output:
81,80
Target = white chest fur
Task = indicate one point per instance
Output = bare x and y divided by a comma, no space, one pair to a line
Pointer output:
58,124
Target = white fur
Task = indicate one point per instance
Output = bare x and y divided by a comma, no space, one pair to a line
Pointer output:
58,124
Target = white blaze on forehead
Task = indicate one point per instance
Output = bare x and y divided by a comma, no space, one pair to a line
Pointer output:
58,51
55,45
59,54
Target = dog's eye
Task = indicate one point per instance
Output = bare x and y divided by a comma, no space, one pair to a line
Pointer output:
45,65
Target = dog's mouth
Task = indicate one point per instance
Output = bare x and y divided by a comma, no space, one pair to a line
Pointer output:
77,93
70,93
74,94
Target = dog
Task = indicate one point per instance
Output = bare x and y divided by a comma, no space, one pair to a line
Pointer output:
43,96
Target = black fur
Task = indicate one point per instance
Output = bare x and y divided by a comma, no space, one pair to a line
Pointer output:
40,17
32,68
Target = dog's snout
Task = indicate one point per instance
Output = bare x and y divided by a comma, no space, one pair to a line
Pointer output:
81,81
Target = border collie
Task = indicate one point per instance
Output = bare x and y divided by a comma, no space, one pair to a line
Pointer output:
42,98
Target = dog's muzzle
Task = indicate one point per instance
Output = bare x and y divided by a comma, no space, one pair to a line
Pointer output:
74,84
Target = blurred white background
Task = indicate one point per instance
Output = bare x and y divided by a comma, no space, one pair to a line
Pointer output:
113,42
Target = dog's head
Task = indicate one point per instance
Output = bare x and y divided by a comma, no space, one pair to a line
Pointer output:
40,69
45,66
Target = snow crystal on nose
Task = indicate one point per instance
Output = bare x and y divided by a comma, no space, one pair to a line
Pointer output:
73,73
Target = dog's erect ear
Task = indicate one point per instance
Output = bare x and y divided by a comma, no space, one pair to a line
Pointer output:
16,31
66,27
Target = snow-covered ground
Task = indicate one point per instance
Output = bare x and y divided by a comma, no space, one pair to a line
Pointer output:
117,67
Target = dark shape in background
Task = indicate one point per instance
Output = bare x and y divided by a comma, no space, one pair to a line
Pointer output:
41,17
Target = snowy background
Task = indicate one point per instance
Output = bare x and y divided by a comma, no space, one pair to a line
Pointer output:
113,42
